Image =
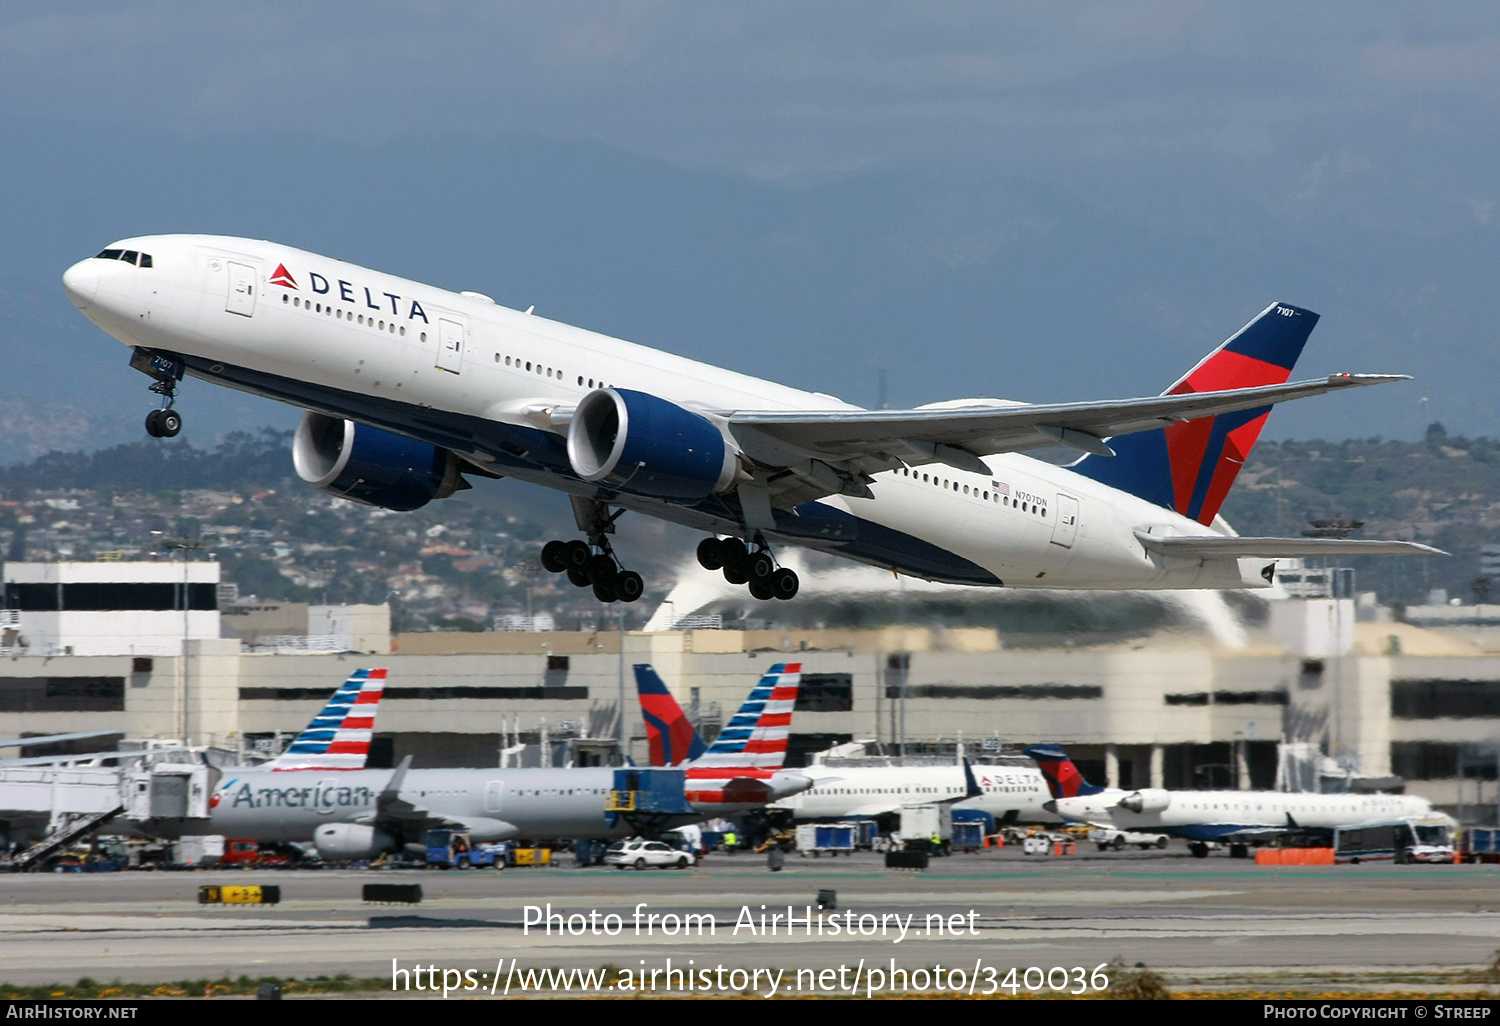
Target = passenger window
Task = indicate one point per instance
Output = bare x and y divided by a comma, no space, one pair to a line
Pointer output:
424,336
580,379
528,365
285,298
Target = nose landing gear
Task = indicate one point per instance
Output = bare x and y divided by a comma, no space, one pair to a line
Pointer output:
752,565
165,370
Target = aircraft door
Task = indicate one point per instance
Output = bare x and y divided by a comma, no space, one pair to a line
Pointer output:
450,352
1066,527
241,298
494,795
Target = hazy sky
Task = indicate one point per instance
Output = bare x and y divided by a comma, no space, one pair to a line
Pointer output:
1341,155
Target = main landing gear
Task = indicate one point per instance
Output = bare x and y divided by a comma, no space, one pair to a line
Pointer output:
749,564
593,565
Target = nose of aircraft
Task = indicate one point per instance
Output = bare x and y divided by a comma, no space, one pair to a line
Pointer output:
81,282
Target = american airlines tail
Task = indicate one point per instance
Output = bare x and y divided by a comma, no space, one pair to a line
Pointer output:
669,733
739,767
1063,778
1190,466
338,738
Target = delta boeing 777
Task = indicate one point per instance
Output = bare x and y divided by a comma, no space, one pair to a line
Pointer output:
411,389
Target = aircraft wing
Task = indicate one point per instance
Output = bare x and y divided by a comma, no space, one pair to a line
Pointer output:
1217,547
852,443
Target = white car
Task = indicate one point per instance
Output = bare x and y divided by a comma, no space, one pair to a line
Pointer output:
641,854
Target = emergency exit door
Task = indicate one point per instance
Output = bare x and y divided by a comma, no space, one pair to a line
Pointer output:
450,352
1066,527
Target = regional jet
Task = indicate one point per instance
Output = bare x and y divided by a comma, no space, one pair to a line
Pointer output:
410,390
1236,818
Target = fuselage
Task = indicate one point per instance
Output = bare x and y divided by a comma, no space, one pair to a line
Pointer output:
1209,815
462,373
1009,793
496,804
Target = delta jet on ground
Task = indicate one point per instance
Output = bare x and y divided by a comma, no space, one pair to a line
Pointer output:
1008,793
1236,818
410,389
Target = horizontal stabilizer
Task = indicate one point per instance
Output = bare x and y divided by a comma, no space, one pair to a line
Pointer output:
1217,547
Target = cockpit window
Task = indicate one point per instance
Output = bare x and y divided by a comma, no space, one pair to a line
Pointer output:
130,256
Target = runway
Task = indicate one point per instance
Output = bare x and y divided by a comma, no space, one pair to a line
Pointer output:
1204,923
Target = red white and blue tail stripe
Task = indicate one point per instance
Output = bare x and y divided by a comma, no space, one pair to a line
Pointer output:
751,749
338,738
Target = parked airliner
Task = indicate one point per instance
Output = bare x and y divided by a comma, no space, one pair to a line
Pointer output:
410,389
318,792
1238,818
1009,793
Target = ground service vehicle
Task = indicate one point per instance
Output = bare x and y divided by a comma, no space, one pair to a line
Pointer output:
1416,839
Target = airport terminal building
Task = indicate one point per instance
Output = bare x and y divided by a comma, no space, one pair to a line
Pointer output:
1173,710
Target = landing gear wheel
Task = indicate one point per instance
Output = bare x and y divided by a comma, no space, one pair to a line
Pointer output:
604,593
735,575
554,557
784,583
628,586
153,423
1239,851
576,554
760,567
711,554
761,590
1198,849
733,554
601,569
578,578
168,422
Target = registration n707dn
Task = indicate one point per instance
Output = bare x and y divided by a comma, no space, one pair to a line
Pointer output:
412,390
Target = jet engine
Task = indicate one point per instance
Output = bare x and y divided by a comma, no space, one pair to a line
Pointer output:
1151,799
351,841
372,466
636,442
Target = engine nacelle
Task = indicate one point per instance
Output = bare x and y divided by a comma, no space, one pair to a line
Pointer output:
1150,799
351,841
637,442
372,466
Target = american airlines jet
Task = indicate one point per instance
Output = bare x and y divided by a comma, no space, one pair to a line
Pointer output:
411,389
353,813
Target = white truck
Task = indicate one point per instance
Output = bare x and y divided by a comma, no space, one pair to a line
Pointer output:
1108,838
921,823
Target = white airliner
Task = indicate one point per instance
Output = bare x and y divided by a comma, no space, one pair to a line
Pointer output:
1238,818
409,388
1008,793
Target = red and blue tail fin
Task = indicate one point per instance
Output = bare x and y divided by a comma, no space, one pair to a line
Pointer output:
338,738
669,732
1063,778
756,737
1189,467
